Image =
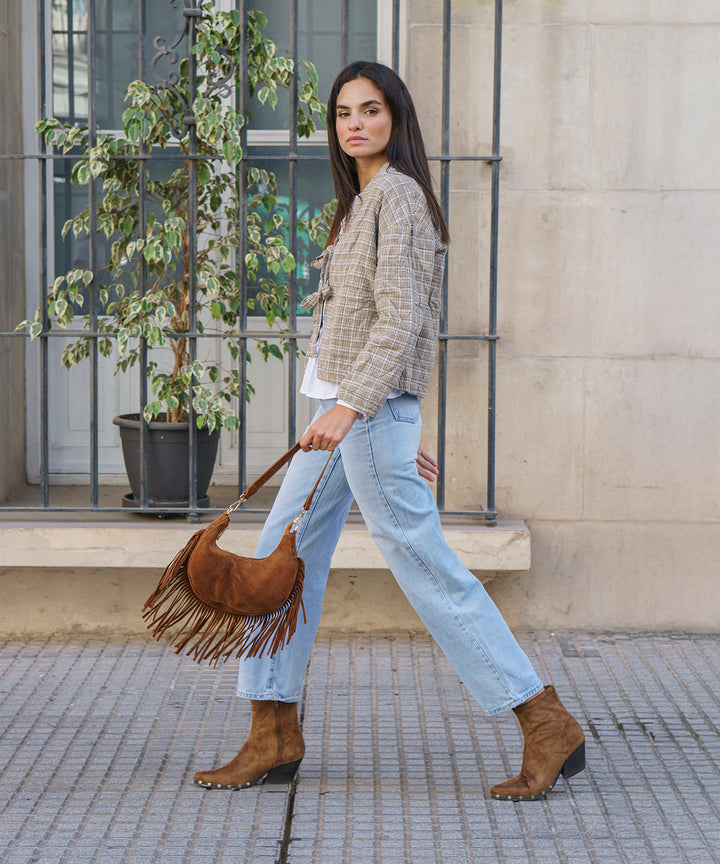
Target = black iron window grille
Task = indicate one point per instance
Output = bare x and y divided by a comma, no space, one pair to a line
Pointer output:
91,91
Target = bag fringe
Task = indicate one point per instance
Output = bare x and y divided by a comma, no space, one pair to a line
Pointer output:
209,634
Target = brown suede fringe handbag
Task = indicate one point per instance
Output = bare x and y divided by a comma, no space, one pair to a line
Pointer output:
223,603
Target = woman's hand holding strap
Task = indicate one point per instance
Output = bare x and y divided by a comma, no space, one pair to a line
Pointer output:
329,429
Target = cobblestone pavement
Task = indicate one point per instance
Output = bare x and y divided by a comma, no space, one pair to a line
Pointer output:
100,739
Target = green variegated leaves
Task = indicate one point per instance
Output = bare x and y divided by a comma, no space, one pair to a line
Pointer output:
158,252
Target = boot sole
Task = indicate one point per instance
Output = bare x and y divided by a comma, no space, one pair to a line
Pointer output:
574,764
279,775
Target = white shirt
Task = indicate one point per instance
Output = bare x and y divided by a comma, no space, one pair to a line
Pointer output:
316,388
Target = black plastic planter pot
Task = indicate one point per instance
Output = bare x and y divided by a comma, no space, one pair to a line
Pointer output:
167,462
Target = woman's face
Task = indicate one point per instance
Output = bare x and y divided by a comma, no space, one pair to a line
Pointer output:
363,121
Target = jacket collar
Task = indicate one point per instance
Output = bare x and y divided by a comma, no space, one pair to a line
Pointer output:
383,169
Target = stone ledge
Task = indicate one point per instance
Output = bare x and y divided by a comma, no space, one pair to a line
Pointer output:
505,547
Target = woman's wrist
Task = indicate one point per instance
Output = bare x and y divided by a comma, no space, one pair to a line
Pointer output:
344,404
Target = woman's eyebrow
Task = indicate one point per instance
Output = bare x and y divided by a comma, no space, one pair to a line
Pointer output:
364,105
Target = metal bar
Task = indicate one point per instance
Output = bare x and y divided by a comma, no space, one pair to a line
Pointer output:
292,228
192,247
494,224
154,511
67,168
71,61
109,58
252,334
445,199
470,337
301,157
44,364
396,36
143,280
241,100
205,511
92,259
243,334
449,158
344,33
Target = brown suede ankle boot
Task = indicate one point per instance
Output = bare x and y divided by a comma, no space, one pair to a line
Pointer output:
554,745
272,753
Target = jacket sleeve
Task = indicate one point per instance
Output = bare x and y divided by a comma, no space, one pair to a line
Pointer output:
405,259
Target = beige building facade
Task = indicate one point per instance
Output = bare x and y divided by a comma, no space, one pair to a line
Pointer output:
609,357
609,310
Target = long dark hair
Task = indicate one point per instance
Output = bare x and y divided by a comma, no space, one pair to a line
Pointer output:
405,152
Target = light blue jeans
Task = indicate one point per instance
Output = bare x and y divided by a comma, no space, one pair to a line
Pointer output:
375,465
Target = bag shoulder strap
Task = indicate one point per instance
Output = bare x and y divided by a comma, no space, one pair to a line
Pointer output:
308,500
270,472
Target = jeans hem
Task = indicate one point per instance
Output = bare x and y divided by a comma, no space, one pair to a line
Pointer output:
266,696
513,703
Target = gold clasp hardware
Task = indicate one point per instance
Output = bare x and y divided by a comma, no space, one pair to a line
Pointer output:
233,507
297,521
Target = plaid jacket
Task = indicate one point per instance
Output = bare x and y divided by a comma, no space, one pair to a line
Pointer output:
379,295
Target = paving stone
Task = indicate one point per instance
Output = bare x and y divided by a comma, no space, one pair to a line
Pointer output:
102,738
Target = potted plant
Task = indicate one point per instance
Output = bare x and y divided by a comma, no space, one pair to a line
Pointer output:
174,264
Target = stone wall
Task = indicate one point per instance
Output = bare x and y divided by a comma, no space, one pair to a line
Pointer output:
609,368
12,278
609,365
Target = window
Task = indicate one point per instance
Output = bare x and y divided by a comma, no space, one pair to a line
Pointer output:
118,34
65,441
117,63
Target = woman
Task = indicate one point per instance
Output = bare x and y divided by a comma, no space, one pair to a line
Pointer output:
370,358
